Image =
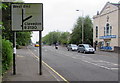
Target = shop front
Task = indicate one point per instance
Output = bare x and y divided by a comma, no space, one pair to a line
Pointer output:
106,44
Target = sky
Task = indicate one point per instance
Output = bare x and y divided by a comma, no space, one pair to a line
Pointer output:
61,15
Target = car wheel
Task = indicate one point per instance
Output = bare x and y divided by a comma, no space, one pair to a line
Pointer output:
78,51
68,49
84,52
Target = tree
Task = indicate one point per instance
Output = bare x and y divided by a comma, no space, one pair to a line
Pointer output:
6,32
64,37
76,35
52,37
23,38
88,30
56,37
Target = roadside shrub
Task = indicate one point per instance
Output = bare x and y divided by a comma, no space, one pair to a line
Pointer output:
6,55
0,55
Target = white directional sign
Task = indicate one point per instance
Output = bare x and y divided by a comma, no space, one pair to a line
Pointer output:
27,16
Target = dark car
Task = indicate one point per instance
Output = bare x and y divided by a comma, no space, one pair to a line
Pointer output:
72,47
86,48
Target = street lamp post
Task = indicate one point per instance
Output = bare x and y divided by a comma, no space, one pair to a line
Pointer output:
82,25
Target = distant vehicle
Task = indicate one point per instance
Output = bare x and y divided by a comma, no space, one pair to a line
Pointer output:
86,48
56,46
72,47
36,45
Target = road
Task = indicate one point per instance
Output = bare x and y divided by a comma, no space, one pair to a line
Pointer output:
73,66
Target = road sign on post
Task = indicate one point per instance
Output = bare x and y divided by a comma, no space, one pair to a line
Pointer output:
27,16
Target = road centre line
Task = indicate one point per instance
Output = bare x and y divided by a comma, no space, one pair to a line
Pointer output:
96,64
85,59
50,67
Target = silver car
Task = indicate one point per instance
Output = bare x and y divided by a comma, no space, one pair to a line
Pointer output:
72,47
86,48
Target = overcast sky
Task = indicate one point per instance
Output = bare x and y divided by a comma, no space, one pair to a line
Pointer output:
61,15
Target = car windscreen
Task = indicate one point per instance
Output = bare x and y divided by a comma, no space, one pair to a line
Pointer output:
73,45
87,46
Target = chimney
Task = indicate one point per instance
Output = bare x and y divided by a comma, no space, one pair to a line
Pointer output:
97,12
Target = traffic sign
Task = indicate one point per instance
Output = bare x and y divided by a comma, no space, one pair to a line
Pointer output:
27,16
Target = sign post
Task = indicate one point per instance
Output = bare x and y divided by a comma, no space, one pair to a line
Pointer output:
40,54
14,53
27,17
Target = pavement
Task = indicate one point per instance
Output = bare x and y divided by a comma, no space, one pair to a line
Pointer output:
27,69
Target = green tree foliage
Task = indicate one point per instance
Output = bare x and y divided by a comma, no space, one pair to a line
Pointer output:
23,38
52,37
76,35
64,37
6,32
0,54
1,27
88,30
7,53
56,36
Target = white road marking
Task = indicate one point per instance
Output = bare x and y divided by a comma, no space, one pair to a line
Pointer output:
114,68
96,64
91,61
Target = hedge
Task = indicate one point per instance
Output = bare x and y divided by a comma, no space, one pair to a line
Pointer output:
7,53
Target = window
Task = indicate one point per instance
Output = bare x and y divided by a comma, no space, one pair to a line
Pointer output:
80,45
110,30
96,31
107,29
104,31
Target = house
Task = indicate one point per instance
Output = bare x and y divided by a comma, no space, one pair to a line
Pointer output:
106,27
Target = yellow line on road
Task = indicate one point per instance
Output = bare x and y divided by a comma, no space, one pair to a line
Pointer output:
50,67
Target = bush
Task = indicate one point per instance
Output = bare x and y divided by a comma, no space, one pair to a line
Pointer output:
0,55
7,53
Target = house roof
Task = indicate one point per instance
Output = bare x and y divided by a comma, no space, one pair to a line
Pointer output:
115,4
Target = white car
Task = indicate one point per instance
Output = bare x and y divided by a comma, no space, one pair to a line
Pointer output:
72,47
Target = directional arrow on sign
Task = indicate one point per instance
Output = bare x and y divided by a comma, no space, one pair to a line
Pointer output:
25,18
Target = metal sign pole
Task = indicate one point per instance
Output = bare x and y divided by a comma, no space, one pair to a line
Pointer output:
40,54
14,53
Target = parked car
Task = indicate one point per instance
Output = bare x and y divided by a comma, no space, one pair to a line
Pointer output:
86,48
72,47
